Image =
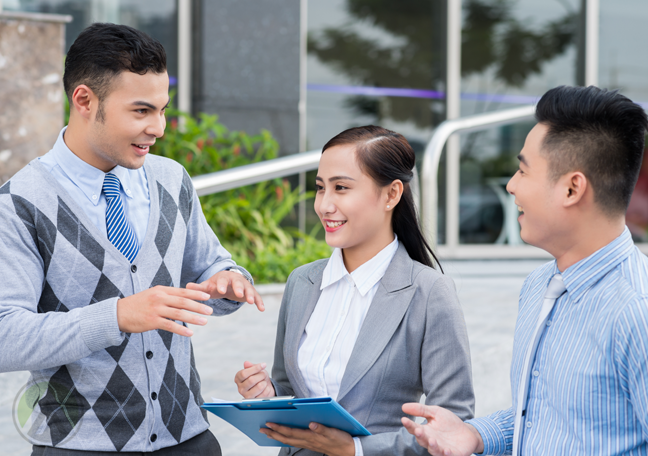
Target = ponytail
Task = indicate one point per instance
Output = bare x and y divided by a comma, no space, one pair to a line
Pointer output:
406,227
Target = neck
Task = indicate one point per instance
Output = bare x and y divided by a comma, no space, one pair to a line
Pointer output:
76,140
356,256
591,237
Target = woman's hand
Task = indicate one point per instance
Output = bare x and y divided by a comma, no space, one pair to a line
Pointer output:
253,381
318,438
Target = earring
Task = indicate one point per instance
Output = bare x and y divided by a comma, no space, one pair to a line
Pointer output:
387,207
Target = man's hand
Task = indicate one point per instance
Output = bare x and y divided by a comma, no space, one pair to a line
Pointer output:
253,381
157,307
317,438
230,285
444,434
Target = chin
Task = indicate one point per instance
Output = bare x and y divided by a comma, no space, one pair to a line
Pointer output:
134,164
334,241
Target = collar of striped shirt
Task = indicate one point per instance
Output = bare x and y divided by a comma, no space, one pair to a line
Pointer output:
85,176
581,276
365,276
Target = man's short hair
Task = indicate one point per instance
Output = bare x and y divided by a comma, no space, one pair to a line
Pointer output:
102,51
598,132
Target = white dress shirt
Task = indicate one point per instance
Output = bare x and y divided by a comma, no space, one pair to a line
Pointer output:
332,330
84,183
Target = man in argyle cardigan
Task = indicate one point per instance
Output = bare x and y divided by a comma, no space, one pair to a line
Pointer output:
101,323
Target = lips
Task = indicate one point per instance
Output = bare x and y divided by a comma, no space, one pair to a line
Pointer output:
141,149
333,225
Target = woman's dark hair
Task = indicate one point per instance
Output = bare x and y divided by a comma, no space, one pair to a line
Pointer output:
386,156
599,133
102,51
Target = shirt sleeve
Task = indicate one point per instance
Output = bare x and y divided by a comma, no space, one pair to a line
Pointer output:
496,431
358,447
631,357
205,256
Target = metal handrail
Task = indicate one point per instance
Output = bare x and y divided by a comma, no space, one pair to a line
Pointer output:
434,150
256,172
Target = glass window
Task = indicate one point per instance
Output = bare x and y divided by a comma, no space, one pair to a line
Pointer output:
375,62
158,18
512,52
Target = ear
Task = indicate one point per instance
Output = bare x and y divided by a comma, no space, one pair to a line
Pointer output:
85,101
394,191
575,187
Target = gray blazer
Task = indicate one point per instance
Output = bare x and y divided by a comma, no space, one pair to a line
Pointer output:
413,341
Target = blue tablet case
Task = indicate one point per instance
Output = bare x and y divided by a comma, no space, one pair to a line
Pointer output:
250,415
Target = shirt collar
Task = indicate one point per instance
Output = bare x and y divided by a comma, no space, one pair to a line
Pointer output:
579,277
85,176
365,276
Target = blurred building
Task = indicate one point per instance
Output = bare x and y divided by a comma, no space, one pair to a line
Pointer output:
307,69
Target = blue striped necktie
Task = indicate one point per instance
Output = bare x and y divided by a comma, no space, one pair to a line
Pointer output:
119,230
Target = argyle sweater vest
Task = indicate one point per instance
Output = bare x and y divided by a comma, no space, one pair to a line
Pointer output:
93,387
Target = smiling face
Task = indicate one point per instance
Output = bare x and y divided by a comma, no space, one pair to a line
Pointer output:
539,198
352,208
133,117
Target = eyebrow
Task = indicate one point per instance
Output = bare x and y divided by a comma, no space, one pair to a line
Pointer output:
334,178
149,105
522,159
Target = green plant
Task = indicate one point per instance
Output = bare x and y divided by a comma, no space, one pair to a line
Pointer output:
247,220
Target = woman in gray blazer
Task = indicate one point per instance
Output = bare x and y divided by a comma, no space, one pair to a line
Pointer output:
376,325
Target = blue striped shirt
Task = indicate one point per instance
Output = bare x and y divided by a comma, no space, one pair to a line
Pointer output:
589,384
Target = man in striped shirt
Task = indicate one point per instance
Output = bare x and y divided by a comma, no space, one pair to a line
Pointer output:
579,373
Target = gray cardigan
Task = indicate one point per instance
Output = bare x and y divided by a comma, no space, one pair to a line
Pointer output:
98,389
413,341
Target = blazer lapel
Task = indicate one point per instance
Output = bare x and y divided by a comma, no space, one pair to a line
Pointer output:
305,298
387,309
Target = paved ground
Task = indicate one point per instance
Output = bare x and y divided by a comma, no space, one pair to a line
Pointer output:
488,291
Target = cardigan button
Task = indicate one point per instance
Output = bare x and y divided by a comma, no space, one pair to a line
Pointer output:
149,354
153,437
133,268
154,395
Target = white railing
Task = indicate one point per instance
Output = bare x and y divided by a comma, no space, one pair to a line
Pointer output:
256,172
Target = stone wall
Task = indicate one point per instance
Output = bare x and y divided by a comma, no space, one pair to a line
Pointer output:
31,87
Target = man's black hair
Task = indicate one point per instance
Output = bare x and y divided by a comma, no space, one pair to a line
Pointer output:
103,51
598,132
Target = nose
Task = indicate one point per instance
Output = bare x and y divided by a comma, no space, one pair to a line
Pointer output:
156,126
324,203
510,187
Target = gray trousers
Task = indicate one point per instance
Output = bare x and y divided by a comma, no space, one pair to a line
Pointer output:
204,444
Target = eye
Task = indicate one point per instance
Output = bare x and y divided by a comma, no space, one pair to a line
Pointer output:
340,187
318,187
141,111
